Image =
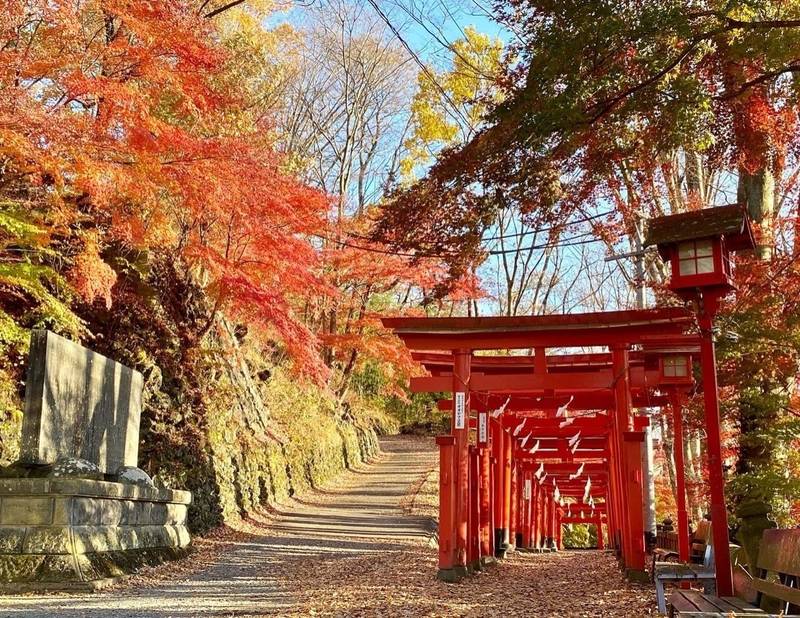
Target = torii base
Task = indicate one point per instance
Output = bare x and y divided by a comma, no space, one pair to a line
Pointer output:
637,575
452,575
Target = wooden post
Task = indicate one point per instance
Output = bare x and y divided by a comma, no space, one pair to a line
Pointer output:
527,503
460,425
680,475
622,422
716,479
473,547
498,437
492,500
613,492
486,504
508,442
545,518
535,511
446,514
559,528
514,505
634,564
599,526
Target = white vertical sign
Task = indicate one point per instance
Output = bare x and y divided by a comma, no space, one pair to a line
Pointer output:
483,428
527,495
460,411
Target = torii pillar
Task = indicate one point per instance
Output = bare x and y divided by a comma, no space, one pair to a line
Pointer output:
620,422
508,447
680,474
460,432
629,450
485,497
513,503
632,450
498,454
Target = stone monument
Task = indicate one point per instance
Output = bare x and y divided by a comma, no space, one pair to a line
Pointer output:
75,510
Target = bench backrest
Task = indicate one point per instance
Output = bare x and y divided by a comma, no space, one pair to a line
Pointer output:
700,539
708,557
778,581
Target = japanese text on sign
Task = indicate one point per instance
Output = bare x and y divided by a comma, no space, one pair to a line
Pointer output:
460,411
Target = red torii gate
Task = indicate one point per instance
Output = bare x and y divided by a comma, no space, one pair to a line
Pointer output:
441,364
493,484
608,377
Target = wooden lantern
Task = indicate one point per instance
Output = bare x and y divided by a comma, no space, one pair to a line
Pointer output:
698,246
675,368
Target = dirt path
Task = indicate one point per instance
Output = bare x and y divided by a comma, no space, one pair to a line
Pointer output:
359,548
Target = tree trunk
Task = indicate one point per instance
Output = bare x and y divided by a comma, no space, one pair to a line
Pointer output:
755,414
668,443
757,192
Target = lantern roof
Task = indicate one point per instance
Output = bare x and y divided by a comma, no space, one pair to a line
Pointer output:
729,222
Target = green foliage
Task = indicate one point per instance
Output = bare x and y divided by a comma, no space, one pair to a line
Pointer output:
316,444
761,360
33,294
579,536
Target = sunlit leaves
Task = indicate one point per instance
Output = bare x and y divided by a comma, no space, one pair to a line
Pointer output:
133,118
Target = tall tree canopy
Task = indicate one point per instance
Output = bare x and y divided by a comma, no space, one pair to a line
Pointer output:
598,82
121,132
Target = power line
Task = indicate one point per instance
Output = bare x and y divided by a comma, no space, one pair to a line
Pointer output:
418,61
569,242
518,234
552,227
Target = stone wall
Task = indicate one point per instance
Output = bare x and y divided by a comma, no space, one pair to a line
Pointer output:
312,443
77,533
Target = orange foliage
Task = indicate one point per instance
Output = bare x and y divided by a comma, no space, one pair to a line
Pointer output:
112,109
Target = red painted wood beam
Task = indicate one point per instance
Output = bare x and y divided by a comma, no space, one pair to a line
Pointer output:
597,483
566,455
577,507
533,404
587,329
511,383
576,520
525,339
599,423
571,468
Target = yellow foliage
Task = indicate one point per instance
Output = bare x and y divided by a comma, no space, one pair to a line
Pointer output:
449,106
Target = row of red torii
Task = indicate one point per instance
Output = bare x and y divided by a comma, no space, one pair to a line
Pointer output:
555,437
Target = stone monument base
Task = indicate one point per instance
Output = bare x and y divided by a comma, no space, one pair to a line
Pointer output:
60,534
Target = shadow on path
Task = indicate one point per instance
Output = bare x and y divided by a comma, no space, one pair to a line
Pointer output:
248,578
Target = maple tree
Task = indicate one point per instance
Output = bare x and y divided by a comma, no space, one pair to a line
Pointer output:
116,118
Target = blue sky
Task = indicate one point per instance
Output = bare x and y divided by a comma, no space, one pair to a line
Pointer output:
426,25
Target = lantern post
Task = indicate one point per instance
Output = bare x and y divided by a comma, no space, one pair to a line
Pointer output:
698,246
716,479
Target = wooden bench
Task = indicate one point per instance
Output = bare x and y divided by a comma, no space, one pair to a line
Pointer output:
677,572
667,545
777,584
